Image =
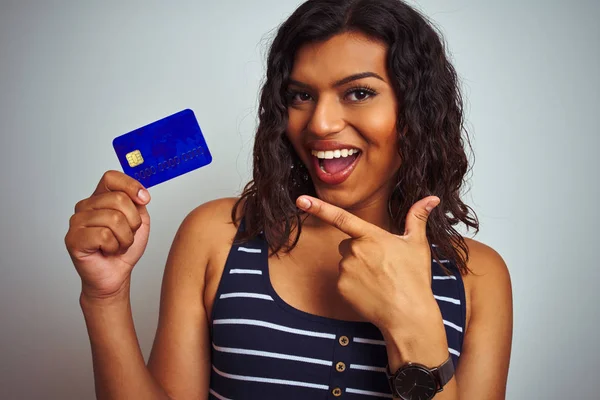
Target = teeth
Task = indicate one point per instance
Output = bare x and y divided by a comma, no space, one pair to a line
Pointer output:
328,155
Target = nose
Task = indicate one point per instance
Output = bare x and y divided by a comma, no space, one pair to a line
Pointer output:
327,117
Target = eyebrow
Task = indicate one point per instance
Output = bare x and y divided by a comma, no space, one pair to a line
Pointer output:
343,81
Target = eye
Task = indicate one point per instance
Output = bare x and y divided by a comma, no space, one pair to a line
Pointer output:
359,94
295,97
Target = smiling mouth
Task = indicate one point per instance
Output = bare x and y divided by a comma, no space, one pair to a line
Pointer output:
335,166
334,161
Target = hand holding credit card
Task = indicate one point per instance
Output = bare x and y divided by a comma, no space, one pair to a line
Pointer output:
163,150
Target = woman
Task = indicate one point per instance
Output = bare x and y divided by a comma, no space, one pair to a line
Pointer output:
347,278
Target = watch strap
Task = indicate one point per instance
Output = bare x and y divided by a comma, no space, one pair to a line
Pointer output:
444,373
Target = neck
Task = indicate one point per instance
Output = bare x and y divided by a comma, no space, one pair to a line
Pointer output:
373,210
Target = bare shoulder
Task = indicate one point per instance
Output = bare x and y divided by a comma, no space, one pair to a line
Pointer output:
212,214
208,221
209,231
484,260
488,283
203,231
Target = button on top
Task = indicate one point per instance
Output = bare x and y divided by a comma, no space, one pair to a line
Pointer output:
344,341
340,367
337,392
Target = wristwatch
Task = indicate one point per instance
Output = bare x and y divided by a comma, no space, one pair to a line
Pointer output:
417,382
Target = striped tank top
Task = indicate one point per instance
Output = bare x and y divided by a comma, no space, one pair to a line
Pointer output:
263,348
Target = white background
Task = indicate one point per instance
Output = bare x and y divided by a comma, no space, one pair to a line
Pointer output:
73,75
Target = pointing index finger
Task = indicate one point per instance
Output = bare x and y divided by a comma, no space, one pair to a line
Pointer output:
335,216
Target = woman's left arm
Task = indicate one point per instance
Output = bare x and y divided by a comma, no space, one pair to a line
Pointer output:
488,338
387,279
483,364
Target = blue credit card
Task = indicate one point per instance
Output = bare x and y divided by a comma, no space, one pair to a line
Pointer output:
163,149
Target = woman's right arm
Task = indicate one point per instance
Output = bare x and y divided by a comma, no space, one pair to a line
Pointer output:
107,236
119,369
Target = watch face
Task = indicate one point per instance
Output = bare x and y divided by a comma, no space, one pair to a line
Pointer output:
415,383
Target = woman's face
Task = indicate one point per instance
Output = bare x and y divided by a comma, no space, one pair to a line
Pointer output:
342,119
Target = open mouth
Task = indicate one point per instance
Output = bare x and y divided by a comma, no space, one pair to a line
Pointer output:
335,166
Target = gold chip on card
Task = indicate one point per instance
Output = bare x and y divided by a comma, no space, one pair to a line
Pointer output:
134,158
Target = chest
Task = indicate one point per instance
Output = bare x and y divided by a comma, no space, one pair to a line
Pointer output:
305,278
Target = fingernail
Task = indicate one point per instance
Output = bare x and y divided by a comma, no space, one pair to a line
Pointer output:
143,195
431,205
304,203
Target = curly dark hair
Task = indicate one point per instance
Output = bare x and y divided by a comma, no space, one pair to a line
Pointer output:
431,133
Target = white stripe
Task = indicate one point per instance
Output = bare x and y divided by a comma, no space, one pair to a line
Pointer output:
442,278
369,393
248,295
246,271
447,299
270,380
272,355
368,341
249,250
434,245
367,368
269,325
451,325
452,351
442,261
217,395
